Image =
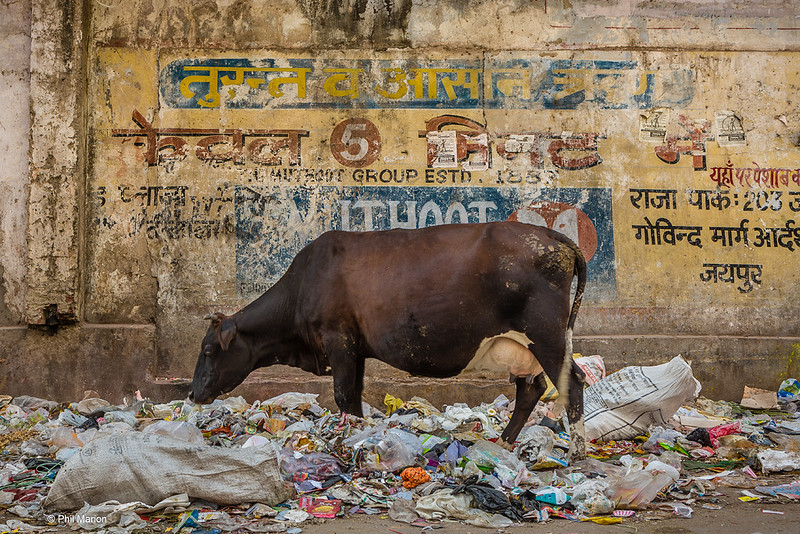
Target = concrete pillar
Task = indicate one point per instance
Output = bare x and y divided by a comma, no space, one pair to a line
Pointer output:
15,30
57,161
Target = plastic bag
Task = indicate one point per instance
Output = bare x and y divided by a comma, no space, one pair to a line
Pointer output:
489,499
535,443
626,403
387,450
673,458
414,476
177,429
789,390
64,438
510,470
120,416
681,510
660,435
592,497
453,454
638,487
31,404
290,401
724,430
314,465
593,367
71,419
236,404
445,504
392,404
459,413
107,514
393,449
429,442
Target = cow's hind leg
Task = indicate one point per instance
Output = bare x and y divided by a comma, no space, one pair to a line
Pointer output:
553,357
528,394
347,367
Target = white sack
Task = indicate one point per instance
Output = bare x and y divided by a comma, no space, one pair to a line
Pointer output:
149,468
626,403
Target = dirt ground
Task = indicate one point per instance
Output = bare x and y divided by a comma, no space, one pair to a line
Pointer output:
745,519
735,517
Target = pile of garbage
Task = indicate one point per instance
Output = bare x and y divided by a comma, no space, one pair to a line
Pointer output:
272,465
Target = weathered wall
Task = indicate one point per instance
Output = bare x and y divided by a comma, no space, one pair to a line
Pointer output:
15,32
182,152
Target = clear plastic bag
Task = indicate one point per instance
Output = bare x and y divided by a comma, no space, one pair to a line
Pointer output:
63,437
121,416
395,449
510,470
387,449
592,497
67,417
291,400
313,465
236,404
535,443
177,429
638,487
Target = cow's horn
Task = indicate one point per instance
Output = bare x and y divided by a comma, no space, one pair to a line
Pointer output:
216,318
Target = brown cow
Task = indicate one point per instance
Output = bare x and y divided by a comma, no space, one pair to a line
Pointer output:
434,302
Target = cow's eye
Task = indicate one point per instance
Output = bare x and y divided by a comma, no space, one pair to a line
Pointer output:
208,350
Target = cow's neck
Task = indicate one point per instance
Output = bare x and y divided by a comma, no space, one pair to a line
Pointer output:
268,324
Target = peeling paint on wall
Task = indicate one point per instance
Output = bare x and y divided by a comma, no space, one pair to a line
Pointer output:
274,223
246,159
508,81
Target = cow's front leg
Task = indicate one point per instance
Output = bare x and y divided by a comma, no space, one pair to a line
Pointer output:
528,394
347,368
347,387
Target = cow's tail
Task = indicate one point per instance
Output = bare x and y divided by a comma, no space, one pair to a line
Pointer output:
579,271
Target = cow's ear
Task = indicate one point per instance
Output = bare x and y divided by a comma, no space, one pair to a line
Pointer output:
226,333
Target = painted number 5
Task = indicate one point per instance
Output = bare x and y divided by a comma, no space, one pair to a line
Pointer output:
355,142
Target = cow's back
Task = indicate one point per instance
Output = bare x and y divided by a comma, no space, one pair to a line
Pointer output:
424,300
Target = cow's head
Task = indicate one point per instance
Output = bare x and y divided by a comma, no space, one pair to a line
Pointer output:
225,360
